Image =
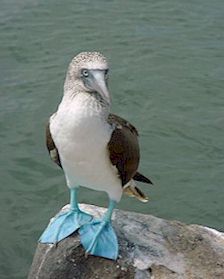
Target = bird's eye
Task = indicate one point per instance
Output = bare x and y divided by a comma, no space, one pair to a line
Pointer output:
85,73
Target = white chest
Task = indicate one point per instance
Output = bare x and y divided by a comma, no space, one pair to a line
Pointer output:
79,132
81,136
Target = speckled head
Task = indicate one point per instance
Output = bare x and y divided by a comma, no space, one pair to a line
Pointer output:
88,73
90,60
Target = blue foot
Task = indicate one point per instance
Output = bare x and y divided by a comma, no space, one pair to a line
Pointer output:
99,239
63,225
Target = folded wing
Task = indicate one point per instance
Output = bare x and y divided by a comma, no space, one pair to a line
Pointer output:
124,150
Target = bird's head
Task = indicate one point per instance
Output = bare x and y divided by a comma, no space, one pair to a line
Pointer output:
88,72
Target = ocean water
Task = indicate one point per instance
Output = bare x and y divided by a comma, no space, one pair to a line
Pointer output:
166,78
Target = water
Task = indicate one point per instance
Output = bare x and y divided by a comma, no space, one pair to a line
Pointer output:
167,74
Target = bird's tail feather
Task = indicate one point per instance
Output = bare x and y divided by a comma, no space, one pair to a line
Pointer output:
133,191
140,177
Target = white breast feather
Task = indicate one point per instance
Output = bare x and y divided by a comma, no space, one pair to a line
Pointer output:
81,136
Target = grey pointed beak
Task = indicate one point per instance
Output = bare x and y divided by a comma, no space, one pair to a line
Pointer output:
98,83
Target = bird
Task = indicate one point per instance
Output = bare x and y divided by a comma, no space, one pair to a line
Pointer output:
96,149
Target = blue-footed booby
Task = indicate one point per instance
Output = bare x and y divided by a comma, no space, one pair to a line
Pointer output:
95,149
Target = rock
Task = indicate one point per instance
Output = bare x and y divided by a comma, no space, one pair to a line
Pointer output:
150,248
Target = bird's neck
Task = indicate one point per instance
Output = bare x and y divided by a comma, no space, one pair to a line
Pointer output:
85,104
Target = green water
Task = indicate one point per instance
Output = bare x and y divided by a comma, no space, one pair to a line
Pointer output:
167,78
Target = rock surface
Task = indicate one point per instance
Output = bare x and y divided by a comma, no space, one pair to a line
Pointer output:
150,248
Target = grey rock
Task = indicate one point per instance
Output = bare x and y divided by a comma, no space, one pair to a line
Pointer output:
150,248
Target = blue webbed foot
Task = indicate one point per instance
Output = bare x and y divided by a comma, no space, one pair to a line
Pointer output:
63,225
99,239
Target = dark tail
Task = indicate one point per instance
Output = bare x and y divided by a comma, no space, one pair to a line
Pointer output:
139,177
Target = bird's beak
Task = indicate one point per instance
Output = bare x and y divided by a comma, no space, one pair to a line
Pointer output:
98,83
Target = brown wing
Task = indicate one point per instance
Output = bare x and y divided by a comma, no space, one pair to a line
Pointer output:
52,149
124,148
